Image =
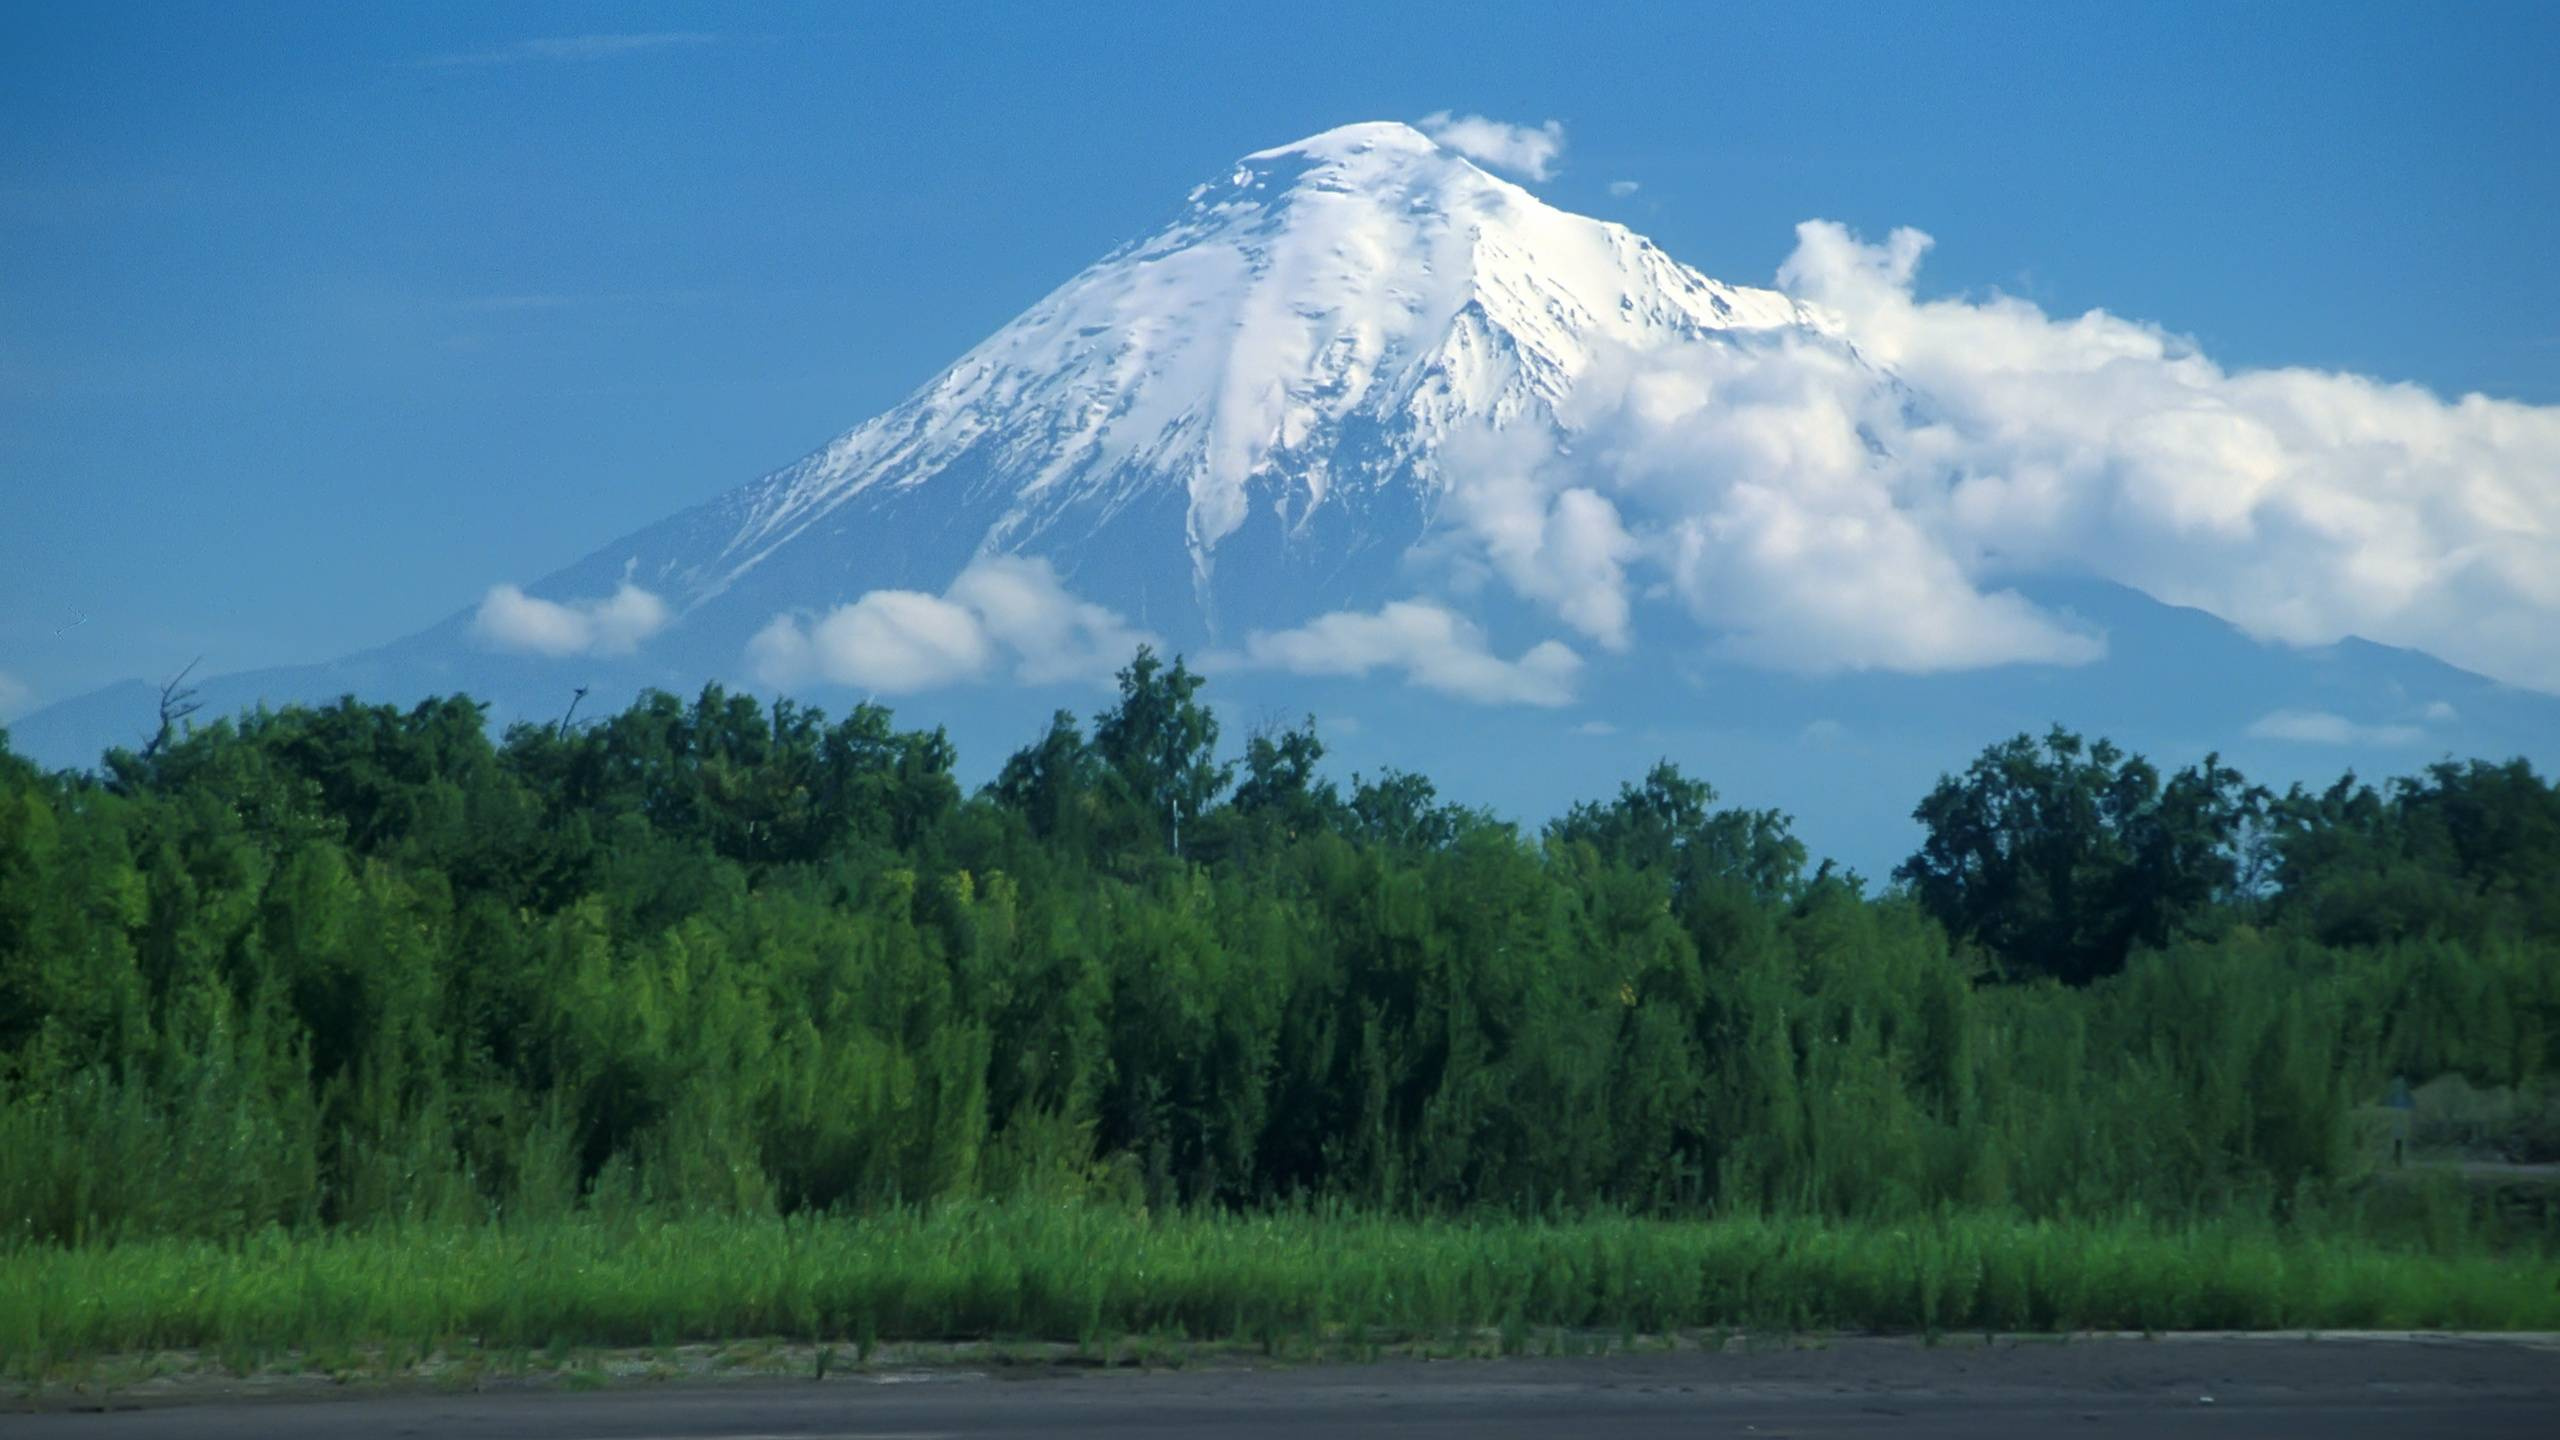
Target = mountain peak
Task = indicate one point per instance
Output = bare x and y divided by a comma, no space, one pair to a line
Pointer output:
1307,332
1357,138
1379,163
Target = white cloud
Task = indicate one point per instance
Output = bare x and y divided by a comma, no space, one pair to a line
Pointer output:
2319,727
576,47
1600,728
1817,507
1552,541
1623,188
1003,608
1053,635
1742,485
14,695
1803,580
2301,505
509,619
1434,647
895,641
2441,712
1526,150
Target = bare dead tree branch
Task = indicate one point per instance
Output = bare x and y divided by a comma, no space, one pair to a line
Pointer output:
562,731
1270,722
177,702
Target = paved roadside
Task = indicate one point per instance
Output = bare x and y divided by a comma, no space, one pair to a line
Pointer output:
2330,1387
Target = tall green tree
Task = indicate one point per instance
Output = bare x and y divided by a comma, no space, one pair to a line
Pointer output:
2463,851
1158,748
1052,783
1670,824
2057,857
1281,797
1403,810
349,964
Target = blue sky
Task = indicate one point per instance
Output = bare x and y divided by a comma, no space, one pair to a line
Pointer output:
315,322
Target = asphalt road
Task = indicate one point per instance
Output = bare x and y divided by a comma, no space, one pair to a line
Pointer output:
2172,1387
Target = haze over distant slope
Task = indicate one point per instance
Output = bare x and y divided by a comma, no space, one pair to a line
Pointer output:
1372,433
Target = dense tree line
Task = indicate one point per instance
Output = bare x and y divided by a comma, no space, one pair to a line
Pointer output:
353,963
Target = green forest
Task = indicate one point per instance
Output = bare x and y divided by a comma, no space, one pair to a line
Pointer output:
363,970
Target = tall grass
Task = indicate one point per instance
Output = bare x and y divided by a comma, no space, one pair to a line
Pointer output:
1082,1273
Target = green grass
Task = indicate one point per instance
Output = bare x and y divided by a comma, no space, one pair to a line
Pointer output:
1094,1276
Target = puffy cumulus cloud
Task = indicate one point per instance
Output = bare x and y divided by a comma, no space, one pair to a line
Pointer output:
1865,493
2301,505
1433,647
895,641
2320,727
1744,482
1819,580
1052,635
1002,610
1784,529
1522,149
1552,540
509,619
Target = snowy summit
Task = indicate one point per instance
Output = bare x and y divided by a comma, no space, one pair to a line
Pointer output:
1306,335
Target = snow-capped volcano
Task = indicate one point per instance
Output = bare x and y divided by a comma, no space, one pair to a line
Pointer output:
1306,334
1373,433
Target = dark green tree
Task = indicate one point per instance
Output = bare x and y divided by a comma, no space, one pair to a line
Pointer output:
1052,782
1281,796
2059,857
1402,810
2463,851
1158,748
1670,825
